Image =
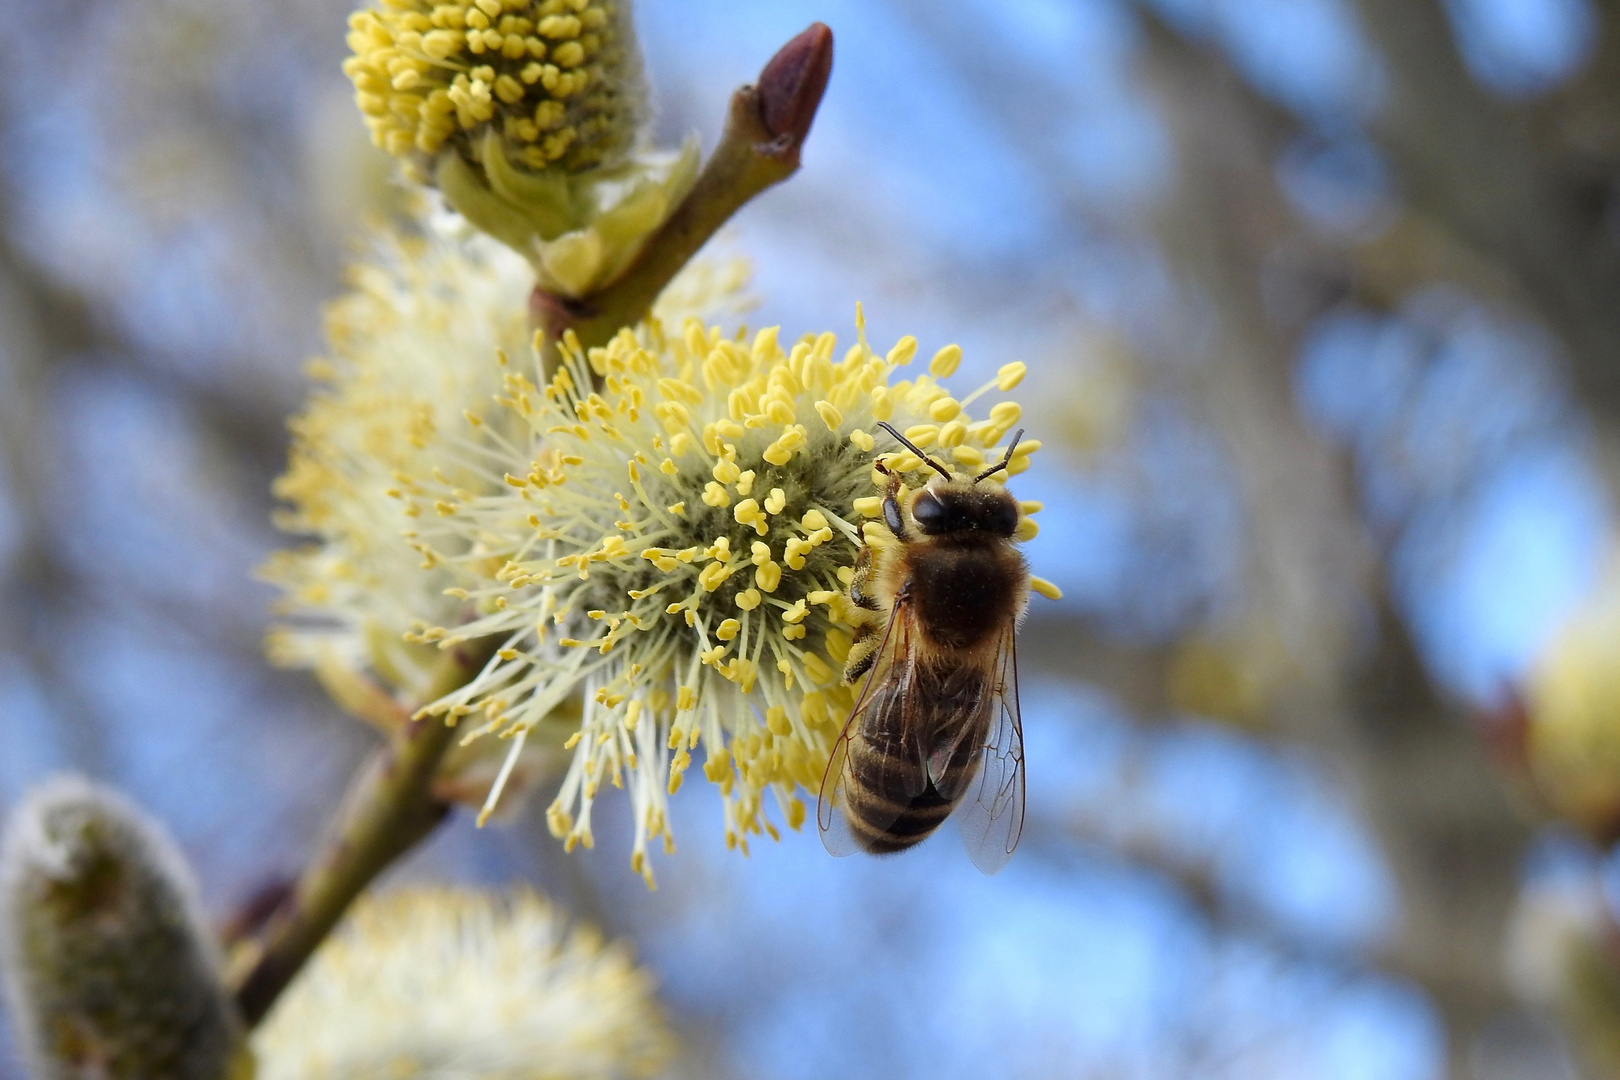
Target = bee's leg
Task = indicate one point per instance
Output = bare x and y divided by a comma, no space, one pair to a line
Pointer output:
859,592
864,643
892,517
862,651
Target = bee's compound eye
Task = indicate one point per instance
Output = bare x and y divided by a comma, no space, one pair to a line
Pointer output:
929,513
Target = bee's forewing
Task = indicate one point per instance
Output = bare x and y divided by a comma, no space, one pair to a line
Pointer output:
991,817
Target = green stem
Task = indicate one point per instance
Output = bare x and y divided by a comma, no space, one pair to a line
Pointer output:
764,133
388,809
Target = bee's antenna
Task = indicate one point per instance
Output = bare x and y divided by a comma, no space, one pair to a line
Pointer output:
909,445
992,470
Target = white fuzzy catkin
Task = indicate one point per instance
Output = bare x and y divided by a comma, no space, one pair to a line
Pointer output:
107,968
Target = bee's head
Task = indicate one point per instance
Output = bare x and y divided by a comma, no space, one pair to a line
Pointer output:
957,505
944,508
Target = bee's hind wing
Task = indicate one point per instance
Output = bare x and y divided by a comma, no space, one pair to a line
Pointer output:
991,817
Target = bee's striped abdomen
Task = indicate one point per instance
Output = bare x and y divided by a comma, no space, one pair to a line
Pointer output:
891,801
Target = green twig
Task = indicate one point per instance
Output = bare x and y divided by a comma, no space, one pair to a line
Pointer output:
388,810
764,133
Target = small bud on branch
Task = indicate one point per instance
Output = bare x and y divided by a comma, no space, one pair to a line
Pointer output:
765,129
792,84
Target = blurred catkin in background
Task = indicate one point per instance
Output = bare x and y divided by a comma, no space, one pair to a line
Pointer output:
108,967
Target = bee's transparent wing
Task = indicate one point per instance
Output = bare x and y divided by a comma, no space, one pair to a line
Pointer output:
887,683
991,817
836,836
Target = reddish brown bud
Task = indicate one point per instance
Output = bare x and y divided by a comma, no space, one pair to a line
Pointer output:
791,86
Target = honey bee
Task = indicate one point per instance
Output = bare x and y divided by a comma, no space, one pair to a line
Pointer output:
936,723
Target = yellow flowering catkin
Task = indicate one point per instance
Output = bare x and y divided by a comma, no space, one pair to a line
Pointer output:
406,387
559,81
528,116
673,541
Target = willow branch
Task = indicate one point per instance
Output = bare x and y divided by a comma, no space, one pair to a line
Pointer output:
765,130
389,809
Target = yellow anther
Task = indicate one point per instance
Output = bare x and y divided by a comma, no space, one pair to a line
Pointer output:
945,362
903,352
713,576
945,409
829,415
715,495
952,434
862,440
748,512
749,599
760,552
817,669
769,576
775,501
745,482
1006,413
869,506
728,629
1027,529
796,613
1010,375
922,435
1045,588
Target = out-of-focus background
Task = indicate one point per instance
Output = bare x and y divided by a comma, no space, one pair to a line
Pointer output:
1321,302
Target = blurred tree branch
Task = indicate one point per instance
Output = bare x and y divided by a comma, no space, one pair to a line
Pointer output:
1477,163
42,324
1425,782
